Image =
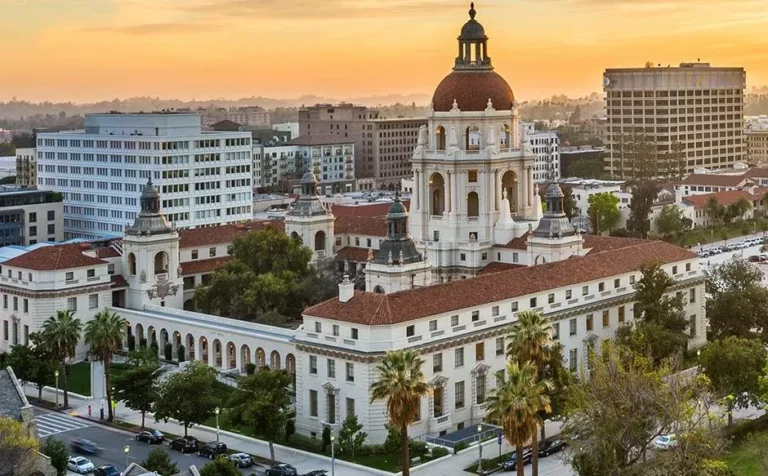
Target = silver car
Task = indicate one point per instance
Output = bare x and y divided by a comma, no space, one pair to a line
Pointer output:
241,460
80,465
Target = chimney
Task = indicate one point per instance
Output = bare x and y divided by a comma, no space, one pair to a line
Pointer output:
346,289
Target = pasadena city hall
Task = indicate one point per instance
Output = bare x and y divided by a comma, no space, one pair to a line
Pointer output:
445,271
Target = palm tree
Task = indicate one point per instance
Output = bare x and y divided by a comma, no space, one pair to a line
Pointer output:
402,384
530,339
105,336
515,405
60,335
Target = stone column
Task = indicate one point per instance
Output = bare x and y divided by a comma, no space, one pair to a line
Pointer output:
239,358
449,194
416,190
530,186
455,186
499,194
198,349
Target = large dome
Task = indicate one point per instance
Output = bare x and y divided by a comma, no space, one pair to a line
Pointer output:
471,90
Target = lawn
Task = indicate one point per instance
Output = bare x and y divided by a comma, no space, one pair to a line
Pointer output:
79,379
739,457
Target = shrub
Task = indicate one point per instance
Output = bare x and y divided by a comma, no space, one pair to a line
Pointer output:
250,368
131,342
58,452
181,353
290,428
168,351
392,443
462,445
326,438
302,442
439,452
143,343
155,347
159,460
418,449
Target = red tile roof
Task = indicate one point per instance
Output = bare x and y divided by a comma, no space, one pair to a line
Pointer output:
497,267
107,252
50,258
118,281
761,172
368,210
723,198
715,180
519,243
222,234
382,309
202,266
358,225
357,255
598,244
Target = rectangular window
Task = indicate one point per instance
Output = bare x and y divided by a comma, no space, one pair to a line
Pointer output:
350,372
621,314
410,331
494,311
459,394
499,346
573,360
606,318
93,301
437,363
687,266
26,335
91,273
313,403
331,399
72,304
632,279
313,364
674,269
458,357
479,351
572,326
556,330
551,298
318,327
25,305
354,333
514,307
32,231
455,320
33,217
51,215
432,326
590,323
692,326
617,283
601,287
212,251
533,302
350,407
568,294
692,295
15,303
5,330
475,316
5,301
194,254
584,290
69,276
331,368
472,176
335,330
51,229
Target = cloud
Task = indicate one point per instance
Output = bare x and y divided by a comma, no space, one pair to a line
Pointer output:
157,28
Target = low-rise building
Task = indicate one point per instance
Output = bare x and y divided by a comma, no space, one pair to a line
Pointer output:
26,167
29,216
546,149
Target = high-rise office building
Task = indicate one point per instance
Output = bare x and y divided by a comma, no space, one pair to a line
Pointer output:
393,143
695,110
546,149
204,177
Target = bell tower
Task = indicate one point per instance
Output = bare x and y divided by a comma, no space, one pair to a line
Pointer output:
151,257
310,221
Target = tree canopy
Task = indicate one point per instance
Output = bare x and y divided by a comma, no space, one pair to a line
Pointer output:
643,195
737,301
139,385
670,221
603,212
221,466
16,447
159,461
188,396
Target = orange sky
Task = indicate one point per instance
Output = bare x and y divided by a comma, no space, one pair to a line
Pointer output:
86,50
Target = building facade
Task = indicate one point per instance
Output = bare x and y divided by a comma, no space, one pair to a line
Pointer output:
756,137
393,144
546,149
694,109
205,177
26,167
28,217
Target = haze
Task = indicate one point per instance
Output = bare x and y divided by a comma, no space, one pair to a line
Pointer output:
87,50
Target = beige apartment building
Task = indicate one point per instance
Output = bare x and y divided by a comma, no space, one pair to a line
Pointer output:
26,167
694,109
393,145
756,136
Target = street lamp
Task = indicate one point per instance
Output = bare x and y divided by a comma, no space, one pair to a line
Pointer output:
333,457
126,450
479,449
56,374
216,411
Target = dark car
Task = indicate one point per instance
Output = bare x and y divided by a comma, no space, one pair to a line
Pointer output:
241,460
212,449
106,470
317,472
511,463
551,446
85,447
185,444
282,470
151,437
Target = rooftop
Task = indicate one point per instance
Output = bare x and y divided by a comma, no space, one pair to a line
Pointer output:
715,180
56,257
383,309
723,198
214,235
321,139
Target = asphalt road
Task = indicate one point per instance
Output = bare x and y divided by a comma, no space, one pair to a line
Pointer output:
112,440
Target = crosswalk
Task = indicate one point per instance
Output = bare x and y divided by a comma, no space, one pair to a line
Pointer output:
52,423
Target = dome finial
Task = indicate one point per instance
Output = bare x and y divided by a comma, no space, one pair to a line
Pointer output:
472,11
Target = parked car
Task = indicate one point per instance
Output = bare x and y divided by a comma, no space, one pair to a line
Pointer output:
185,444
511,463
282,470
107,470
212,449
754,259
151,437
665,442
241,460
85,447
80,465
551,446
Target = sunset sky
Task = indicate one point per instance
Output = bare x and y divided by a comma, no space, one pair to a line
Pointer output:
86,50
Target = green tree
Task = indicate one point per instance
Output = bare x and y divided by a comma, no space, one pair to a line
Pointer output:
644,193
8,180
402,384
736,299
159,461
7,149
603,212
351,436
60,335
263,403
670,221
589,168
16,447
264,274
734,366
562,378
659,329
33,364
57,450
138,387
714,211
741,207
221,466
516,403
188,396
104,333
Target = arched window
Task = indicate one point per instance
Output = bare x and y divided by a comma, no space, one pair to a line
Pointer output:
509,184
295,236
161,262
472,138
378,290
473,205
132,264
505,139
437,194
440,138
320,241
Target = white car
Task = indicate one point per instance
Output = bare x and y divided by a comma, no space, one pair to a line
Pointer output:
80,465
665,442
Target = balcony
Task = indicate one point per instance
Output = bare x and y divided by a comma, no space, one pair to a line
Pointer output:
438,424
478,410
